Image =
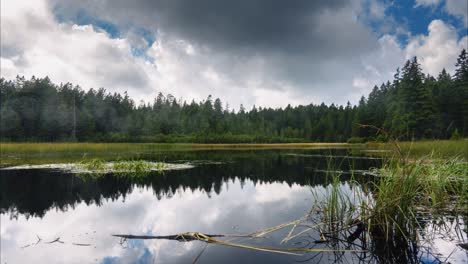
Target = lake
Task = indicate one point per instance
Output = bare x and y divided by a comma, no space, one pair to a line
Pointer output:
52,216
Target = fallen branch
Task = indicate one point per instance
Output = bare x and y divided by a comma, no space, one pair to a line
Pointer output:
55,240
191,236
80,244
185,237
33,244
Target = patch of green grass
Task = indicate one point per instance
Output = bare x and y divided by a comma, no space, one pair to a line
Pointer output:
137,167
93,164
43,153
126,168
441,149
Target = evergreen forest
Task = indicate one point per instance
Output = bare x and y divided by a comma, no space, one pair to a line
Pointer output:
412,106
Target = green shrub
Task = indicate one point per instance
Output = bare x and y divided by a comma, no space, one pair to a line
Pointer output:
455,135
356,140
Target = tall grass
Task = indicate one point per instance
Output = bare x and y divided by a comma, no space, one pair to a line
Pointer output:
388,205
436,149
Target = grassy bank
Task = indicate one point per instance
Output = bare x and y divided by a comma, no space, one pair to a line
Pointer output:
36,153
434,148
103,147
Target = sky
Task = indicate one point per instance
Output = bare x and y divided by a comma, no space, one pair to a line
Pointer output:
267,53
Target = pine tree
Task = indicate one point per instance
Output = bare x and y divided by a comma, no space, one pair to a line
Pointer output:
461,71
416,106
460,108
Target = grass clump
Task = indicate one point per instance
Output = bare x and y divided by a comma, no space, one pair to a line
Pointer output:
93,165
387,207
137,167
433,185
127,168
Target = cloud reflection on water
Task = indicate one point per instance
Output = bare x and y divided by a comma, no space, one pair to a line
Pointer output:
235,209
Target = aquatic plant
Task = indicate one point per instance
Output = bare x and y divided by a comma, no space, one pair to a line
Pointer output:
93,164
94,168
387,206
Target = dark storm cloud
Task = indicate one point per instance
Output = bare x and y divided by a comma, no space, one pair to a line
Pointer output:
244,24
251,25
302,43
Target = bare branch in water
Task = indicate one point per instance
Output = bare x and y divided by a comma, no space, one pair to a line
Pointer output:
191,236
33,244
80,244
55,240
185,237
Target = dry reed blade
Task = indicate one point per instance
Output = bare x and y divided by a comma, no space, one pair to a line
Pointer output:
276,228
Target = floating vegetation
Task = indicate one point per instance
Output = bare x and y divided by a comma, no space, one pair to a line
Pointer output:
330,156
96,167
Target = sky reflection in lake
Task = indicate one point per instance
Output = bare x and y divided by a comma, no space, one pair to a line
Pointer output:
238,194
234,210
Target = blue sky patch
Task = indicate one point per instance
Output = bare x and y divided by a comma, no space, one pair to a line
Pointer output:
417,18
84,18
412,18
146,34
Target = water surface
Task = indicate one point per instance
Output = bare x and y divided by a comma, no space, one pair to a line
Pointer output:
227,192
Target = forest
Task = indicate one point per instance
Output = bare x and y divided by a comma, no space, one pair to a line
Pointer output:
412,106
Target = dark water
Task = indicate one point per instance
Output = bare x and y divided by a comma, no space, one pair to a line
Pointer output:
237,192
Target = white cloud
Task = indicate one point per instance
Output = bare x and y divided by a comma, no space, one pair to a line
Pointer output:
435,51
427,2
438,50
33,43
458,8
377,9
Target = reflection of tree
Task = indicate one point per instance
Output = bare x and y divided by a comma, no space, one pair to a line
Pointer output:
33,192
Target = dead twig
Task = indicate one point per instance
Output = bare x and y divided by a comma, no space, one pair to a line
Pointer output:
55,240
81,244
33,244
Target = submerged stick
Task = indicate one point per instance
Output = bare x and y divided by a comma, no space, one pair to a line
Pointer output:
55,240
81,244
191,236
180,237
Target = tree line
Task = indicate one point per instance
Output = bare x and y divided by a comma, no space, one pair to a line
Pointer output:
412,106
